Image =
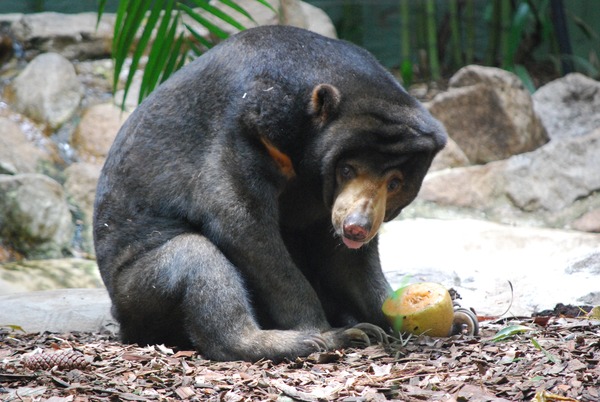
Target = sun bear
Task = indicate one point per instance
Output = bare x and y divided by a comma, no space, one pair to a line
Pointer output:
237,211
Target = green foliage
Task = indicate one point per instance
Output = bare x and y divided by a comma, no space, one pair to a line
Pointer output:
436,37
397,324
510,331
406,66
155,28
513,35
434,64
13,327
552,358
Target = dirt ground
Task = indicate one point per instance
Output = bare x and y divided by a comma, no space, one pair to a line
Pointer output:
550,358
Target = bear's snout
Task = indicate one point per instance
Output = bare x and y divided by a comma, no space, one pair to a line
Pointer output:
357,227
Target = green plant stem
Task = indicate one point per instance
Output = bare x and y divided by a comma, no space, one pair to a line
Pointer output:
434,63
505,28
406,67
405,29
455,33
493,34
470,32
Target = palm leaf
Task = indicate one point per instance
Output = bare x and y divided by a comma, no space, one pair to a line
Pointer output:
101,6
159,51
167,50
141,46
520,20
129,18
176,58
239,9
215,30
219,14
523,74
199,38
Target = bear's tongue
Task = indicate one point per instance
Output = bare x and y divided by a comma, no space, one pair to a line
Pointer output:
351,243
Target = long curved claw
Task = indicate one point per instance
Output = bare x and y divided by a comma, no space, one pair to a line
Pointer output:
374,332
357,337
318,343
365,334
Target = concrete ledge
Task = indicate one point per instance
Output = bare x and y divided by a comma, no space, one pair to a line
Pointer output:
62,310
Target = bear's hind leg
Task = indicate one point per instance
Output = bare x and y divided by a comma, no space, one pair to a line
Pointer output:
220,320
189,285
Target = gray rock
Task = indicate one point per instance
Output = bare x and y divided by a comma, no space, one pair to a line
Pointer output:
317,20
97,130
34,215
478,259
48,90
133,94
80,186
569,106
65,310
554,176
449,157
489,114
289,12
589,263
477,187
546,186
75,36
17,154
49,274
588,222
260,14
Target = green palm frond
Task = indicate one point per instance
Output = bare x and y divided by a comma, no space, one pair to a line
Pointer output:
155,28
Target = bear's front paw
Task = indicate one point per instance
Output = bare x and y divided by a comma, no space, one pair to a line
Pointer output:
318,343
375,333
362,335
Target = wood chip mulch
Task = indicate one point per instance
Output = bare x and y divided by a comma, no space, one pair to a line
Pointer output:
556,359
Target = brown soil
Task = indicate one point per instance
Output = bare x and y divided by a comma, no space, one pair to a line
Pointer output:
553,359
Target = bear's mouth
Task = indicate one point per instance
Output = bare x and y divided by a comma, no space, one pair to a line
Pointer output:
352,244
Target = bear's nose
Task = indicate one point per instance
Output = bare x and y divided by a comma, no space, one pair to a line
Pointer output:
357,227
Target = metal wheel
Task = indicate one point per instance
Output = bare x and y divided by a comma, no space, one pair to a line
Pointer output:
465,322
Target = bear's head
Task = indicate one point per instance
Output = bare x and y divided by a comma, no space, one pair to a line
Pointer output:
375,148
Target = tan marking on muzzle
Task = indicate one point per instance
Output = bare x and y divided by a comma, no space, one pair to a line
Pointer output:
365,195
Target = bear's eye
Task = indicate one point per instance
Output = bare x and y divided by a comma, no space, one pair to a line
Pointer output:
346,172
394,184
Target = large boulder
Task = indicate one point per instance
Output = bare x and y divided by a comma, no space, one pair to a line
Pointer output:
489,114
63,310
17,154
304,15
449,157
478,259
285,12
33,275
477,187
556,175
547,186
34,215
569,106
588,222
47,91
97,130
75,36
80,186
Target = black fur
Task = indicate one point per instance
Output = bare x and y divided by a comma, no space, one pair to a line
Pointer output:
201,238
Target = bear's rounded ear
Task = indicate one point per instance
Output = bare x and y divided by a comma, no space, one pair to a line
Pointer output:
324,102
